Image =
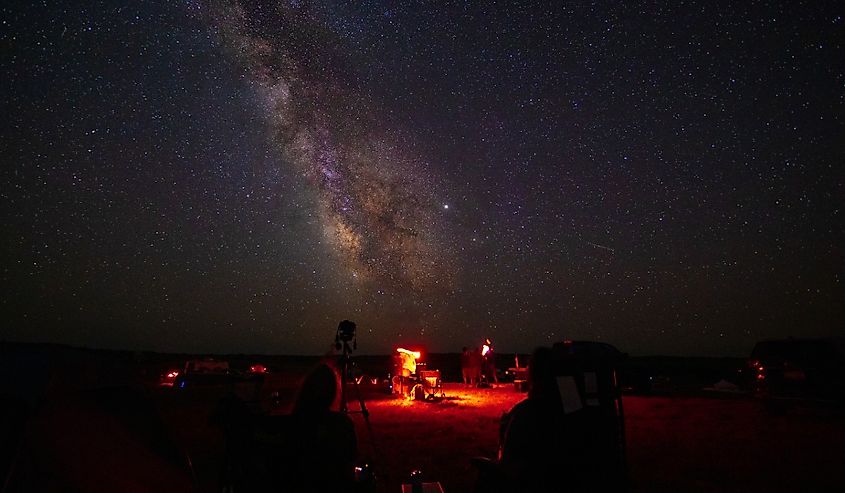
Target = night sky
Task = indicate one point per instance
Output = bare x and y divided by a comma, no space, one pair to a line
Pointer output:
239,177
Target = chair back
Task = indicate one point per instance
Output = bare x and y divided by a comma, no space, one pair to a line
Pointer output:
431,377
591,399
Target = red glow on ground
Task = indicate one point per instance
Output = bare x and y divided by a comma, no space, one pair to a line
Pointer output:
457,397
462,425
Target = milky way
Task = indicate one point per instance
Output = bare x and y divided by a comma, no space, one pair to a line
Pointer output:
241,175
376,202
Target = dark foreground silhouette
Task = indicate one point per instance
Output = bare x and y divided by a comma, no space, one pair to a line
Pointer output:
567,435
313,449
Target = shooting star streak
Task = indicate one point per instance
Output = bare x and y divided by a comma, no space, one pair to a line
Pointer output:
611,250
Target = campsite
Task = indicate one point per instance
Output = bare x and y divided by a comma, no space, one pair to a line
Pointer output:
681,438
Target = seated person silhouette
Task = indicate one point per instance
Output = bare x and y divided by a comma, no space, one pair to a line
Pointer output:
321,442
539,443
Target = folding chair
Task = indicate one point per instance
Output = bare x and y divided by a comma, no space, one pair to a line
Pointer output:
432,384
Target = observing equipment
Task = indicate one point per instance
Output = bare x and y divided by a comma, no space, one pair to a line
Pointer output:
412,380
345,334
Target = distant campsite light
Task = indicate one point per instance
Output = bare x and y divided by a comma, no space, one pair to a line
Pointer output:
169,378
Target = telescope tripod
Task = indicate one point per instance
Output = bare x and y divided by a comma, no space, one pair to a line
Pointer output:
346,365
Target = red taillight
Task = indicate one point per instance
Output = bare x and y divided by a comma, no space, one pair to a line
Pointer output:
761,370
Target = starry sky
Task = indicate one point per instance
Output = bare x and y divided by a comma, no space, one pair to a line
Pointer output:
222,176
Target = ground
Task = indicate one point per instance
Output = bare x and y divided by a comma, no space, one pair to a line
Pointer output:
682,440
674,443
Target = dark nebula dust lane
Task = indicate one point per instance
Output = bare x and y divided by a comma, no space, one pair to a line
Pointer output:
376,201
238,176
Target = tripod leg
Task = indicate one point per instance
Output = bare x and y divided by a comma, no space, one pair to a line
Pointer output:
366,413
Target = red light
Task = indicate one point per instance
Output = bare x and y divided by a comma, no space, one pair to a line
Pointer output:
169,378
484,350
415,354
760,376
258,369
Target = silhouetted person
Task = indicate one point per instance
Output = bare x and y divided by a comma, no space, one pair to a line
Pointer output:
489,362
466,365
475,365
525,448
323,440
540,446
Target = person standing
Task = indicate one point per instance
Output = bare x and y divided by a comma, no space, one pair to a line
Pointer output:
323,444
466,366
489,362
475,361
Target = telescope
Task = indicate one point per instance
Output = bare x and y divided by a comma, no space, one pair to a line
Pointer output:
345,334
